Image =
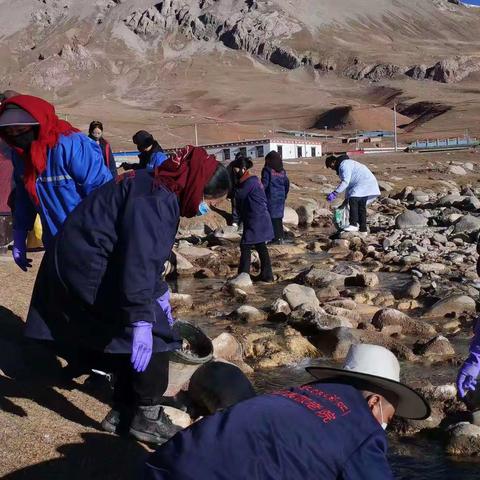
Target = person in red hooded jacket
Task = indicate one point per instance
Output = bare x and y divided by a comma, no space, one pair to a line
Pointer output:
55,168
99,286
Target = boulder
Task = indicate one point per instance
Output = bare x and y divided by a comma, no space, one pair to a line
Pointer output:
319,278
385,186
178,417
290,217
410,326
194,252
456,170
182,265
463,439
306,213
279,310
410,219
247,313
327,293
310,321
411,289
365,280
467,224
450,200
438,346
297,295
419,196
452,305
242,280
437,268
227,347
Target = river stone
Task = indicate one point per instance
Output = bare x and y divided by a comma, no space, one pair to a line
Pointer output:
351,315
306,213
318,278
310,321
183,266
456,170
411,289
385,186
247,313
449,200
242,280
181,300
227,347
432,268
194,252
297,295
453,304
327,293
467,224
410,219
279,310
366,280
439,346
178,417
347,303
419,196
468,166
464,439
410,326
290,217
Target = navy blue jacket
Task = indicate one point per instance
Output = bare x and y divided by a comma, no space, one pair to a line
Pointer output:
252,208
276,185
105,269
319,431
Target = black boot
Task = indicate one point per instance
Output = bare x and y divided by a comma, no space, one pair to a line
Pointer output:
150,424
118,419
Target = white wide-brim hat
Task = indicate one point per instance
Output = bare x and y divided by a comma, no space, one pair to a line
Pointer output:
14,115
377,366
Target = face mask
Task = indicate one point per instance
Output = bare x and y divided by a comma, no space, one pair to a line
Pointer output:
203,209
23,140
383,424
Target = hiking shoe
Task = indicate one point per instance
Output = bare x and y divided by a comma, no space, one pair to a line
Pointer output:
351,228
118,420
150,424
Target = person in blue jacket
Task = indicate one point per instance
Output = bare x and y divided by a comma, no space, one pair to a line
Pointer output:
55,168
276,185
151,154
95,132
252,208
331,429
99,285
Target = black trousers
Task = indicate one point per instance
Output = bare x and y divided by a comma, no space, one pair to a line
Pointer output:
358,212
278,228
246,258
130,388
235,215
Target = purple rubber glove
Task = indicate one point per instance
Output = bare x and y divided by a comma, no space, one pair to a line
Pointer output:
331,196
142,345
164,302
470,370
19,250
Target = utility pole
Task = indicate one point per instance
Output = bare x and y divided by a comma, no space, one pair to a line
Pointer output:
305,140
196,135
395,126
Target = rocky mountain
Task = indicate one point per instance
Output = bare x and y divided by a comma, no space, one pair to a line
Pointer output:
176,55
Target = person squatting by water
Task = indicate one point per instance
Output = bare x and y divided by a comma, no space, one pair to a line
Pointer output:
360,186
276,184
99,284
330,429
253,212
95,132
55,168
151,153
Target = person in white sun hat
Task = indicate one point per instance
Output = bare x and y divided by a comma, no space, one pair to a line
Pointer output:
330,429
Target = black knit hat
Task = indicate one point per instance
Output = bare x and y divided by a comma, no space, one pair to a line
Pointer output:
143,139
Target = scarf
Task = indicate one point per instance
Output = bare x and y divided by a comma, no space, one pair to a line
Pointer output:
50,128
186,174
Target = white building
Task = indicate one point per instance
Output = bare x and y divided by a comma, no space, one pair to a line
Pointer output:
289,147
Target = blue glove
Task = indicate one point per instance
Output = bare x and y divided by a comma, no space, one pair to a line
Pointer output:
19,250
467,377
142,345
164,302
331,196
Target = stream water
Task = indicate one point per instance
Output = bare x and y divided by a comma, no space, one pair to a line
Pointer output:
420,457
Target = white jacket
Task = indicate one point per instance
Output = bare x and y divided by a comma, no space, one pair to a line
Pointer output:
357,180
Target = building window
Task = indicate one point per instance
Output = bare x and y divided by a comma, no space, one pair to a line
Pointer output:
260,151
299,152
243,151
226,154
280,150
314,152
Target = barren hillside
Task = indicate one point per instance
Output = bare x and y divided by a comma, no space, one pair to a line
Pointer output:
169,64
